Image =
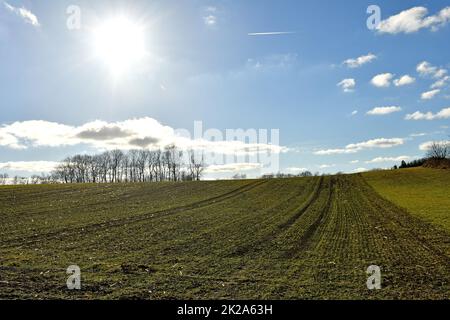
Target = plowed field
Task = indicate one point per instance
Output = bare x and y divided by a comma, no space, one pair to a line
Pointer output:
305,238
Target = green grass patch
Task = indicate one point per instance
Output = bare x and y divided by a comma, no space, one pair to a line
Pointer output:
425,193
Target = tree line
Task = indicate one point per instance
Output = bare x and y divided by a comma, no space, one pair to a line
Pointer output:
437,152
282,175
117,166
168,164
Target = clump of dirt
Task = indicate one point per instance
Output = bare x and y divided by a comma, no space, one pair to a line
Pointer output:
437,163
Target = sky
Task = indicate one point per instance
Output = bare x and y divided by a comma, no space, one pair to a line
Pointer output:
346,91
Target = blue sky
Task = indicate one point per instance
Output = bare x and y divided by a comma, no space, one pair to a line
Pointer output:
201,64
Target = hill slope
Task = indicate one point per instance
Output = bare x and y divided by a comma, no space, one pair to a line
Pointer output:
308,238
423,192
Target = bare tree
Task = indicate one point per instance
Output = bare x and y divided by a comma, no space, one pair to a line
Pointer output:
174,162
141,162
3,178
116,159
158,170
196,165
439,150
105,163
133,159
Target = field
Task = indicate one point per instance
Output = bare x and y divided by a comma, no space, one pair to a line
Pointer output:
302,238
423,192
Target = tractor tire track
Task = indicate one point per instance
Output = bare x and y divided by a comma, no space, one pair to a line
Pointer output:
133,219
305,240
254,246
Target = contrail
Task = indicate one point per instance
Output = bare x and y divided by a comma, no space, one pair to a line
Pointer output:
274,33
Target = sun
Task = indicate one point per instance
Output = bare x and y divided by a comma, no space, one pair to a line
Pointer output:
119,43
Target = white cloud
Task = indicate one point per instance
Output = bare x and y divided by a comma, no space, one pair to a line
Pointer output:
354,113
39,133
9,141
328,152
430,94
360,61
354,161
415,135
440,83
347,85
129,134
29,166
382,80
389,159
440,73
25,14
359,170
377,143
443,114
427,69
379,111
327,166
427,145
404,80
296,169
272,62
233,167
370,144
210,18
413,20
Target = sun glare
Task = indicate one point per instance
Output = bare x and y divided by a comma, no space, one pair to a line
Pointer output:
119,43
